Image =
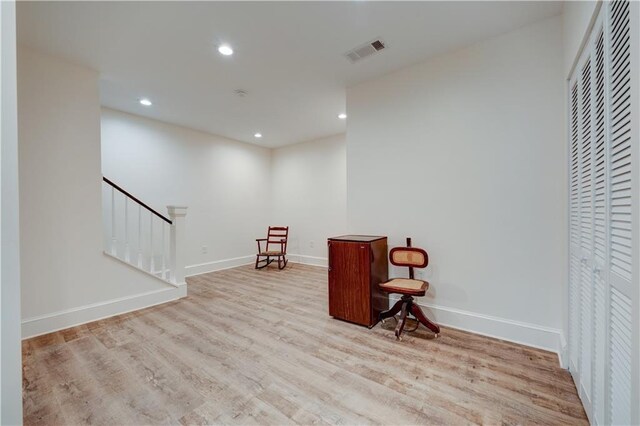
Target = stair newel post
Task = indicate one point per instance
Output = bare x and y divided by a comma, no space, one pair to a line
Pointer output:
176,244
114,249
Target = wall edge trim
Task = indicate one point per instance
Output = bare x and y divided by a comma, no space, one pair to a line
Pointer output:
528,334
60,320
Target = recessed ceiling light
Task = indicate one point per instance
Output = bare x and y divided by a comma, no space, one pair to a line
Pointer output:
258,135
342,116
225,50
145,102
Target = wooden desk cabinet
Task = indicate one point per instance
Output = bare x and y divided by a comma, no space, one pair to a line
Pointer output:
357,264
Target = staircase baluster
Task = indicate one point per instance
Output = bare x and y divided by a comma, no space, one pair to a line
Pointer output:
127,254
151,261
139,236
162,271
170,264
114,249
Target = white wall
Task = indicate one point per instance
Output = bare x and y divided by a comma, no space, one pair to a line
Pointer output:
10,347
465,153
225,183
310,195
576,20
66,278
234,190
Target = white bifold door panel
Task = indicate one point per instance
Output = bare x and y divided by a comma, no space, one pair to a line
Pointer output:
604,324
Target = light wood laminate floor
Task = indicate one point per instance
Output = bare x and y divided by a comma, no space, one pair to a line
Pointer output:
258,347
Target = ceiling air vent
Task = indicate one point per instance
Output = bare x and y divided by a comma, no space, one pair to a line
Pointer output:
365,50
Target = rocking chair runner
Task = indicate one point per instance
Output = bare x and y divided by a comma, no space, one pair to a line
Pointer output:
411,257
276,246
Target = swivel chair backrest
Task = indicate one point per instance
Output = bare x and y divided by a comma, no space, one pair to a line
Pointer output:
410,257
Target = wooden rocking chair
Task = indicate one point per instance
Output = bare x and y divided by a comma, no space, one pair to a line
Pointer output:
276,246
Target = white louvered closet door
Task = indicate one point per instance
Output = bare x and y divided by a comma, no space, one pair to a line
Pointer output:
621,198
583,169
604,291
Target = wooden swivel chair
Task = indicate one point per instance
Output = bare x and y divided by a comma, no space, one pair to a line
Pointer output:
276,246
411,257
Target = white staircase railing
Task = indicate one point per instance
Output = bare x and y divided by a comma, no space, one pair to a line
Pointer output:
140,236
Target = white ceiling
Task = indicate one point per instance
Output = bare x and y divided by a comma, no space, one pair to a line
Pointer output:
288,55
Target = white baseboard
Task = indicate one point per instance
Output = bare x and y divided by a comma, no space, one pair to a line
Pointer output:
528,334
563,352
308,260
586,401
49,323
218,265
